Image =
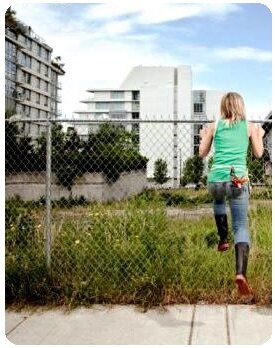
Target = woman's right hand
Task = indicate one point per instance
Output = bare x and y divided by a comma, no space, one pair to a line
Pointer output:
258,130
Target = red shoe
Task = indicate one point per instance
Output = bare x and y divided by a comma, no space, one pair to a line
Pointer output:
242,284
223,246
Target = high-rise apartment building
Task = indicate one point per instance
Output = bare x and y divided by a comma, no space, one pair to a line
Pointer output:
31,76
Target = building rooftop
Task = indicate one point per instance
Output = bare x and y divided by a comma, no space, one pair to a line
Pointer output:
111,90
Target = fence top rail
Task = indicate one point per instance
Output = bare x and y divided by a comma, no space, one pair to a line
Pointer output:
118,121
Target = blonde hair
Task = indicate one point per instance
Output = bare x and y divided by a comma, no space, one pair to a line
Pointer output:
232,107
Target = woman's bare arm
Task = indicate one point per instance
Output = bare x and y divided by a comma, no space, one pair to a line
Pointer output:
256,134
206,135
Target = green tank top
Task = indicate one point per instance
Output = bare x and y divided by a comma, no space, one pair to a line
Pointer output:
230,149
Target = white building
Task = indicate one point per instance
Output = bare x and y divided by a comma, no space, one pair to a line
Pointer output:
156,93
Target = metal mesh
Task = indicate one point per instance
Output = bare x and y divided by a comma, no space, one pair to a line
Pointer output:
104,211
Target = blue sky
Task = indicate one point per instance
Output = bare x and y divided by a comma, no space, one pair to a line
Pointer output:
228,45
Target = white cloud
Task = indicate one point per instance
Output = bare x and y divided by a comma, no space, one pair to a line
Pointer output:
198,68
152,13
222,54
117,27
247,53
171,12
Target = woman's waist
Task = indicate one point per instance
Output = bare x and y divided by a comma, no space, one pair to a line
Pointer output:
238,166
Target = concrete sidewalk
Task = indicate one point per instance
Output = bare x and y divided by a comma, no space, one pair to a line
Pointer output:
177,324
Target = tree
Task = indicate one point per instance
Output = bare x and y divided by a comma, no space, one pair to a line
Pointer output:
193,170
160,172
111,150
12,22
19,151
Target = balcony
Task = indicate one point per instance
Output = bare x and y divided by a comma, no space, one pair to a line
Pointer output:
199,116
58,98
19,96
34,72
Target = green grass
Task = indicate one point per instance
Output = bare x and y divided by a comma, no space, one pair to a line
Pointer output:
137,255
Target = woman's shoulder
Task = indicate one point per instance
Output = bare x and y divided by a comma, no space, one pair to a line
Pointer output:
212,126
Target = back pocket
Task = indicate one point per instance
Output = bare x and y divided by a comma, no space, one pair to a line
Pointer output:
236,191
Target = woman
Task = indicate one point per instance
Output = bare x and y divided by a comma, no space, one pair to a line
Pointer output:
228,176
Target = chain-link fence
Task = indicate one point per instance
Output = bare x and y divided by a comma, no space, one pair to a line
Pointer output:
116,211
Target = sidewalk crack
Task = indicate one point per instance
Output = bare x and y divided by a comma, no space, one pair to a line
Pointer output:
192,326
16,326
227,326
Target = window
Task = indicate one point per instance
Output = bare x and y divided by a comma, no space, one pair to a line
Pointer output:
102,106
118,115
10,50
135,95
199,97
117,106
10,69
26,110
23,59
54,76
45,54
37,98
28,62
135,115
37,83
27,128
9,87
197,129
34,112
117,95
46,86
198,107
28,94
202,97
27,78
38,67
48,55
46,71
135,106
28,42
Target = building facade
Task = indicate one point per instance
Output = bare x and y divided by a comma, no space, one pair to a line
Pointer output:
31,77
157,93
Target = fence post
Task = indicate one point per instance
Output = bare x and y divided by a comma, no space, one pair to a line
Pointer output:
175,131
175,155
47,233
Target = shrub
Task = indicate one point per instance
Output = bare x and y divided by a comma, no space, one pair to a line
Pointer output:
193,169
160,172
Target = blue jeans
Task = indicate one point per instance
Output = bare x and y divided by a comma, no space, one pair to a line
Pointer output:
238,202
